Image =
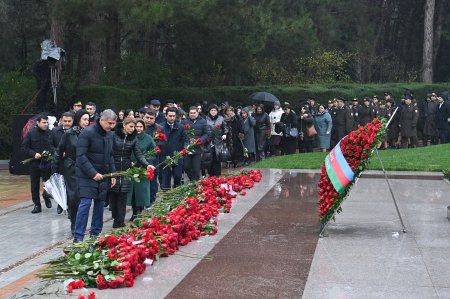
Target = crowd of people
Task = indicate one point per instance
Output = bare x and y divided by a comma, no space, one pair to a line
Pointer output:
85,144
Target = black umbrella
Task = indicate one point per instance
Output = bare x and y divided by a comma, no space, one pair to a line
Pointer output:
264,97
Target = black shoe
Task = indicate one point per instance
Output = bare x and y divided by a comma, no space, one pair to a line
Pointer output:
106,204
48,202
132,218
59,209
37,209
76,241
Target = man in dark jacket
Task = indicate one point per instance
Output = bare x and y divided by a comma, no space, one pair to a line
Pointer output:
200,129
409,115
94,158
176,141
442,116
34,145
55,138
91,108
342,122
366,113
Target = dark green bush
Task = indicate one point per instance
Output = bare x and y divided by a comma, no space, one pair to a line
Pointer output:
17,90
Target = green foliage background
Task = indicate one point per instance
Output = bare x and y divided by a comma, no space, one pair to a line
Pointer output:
17,90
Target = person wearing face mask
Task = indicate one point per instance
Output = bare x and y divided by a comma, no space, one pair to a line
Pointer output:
125,143
65,157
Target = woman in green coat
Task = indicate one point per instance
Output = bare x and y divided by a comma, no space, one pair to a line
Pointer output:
139,196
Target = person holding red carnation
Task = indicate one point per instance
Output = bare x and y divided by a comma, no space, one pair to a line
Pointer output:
139,196
176,140
125,144
200,130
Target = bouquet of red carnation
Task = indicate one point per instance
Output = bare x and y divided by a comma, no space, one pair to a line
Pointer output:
344,164
159,135
189,131
150,153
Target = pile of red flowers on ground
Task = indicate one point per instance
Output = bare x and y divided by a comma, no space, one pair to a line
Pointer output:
116,259
357,148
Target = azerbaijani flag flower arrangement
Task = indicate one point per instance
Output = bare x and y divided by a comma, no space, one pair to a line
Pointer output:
346,161
179,216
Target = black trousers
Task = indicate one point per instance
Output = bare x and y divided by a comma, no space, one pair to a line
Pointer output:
216,166
118,205
35,180
192,166
175,171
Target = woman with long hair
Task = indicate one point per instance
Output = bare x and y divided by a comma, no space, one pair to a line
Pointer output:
124,144
289,119
139,196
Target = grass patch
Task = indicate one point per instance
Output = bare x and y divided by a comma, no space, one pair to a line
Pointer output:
430,158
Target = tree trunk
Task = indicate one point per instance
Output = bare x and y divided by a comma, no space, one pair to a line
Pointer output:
440,9
95,60
427,60
113,47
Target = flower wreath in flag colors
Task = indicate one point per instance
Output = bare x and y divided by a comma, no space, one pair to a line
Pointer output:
179,216
344,163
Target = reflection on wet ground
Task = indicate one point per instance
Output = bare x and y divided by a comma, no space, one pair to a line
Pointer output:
268,253
268,246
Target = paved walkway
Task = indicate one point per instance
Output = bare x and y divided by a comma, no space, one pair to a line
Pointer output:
268,247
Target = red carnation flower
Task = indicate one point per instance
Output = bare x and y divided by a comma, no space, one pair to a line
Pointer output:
199,141
150,174
91,295
157,149
184,152
187,126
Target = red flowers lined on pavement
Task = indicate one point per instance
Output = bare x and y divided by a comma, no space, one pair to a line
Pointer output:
117,259
357,148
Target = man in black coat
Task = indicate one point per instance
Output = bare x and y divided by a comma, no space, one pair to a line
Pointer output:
55,137
366,113
409,116
94,158
200,129
91,108
34,144
342,122
442,116
176,141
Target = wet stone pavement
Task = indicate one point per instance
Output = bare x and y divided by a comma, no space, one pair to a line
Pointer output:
268,246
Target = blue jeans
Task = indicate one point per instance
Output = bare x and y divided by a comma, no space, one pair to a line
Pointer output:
83,214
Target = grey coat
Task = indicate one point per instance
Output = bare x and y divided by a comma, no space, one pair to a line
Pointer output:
249,133
323,124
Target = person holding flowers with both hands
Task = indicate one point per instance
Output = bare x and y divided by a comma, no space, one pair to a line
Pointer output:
125,143
196,128
176,140
140,196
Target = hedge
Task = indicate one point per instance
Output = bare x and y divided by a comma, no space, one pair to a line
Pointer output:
16,91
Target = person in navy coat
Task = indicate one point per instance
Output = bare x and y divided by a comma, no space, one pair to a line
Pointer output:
177,140
200,129
94,158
